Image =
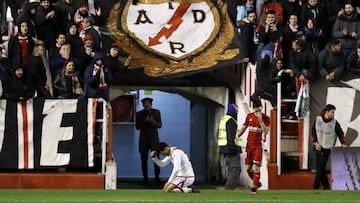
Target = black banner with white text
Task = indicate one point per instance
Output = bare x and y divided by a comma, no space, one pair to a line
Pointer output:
44,133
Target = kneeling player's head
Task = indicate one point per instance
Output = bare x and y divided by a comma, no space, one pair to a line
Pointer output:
163,149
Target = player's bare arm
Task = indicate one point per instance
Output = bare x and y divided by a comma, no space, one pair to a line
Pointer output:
237,136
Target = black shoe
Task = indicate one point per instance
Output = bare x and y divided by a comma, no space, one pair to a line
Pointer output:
253,191
259,185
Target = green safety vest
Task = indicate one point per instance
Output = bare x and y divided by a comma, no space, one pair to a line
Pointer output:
222,135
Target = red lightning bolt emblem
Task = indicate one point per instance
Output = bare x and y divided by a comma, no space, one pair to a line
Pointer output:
175,22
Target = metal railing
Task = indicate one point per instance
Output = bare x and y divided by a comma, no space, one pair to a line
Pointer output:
278,122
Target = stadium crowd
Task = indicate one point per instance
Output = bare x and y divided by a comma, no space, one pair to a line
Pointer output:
310,37
60,49
57,49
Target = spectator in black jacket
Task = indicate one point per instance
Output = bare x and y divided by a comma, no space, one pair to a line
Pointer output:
347,29
18,87
65,10
265,87
88,29
57,63
55,45
67,84
291,7
27,14
20,47
4,69
73,38
290,31
112,61
302,62
314,10
37,72
97,79
331,61
353,64
45,20
270,27
249,37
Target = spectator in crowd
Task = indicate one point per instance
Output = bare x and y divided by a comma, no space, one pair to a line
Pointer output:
97,79
27,14
258,124
269,26
275,7
353,64
67,84
112,61
45,21
274,46
73,38
55,47
357,6
102,12
333,9
302,62
37,72
57,63
287,80
313,10
325,130
20,47
3,24
264,81
347,29
80,13
15,7
4,69
65,10
18,87
88,52
290,32
331,61
242,10
291,7
228,149
249,37
313,35
88,29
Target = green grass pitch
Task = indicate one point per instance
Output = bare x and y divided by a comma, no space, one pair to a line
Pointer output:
157,196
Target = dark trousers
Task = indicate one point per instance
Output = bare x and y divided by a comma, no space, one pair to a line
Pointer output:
233,171
144,167
321,176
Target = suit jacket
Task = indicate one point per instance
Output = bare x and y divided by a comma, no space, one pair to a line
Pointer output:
148,128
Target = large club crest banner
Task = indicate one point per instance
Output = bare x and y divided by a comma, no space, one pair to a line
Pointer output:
40,133
171,37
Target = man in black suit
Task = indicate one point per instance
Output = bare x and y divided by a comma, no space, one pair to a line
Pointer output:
148,121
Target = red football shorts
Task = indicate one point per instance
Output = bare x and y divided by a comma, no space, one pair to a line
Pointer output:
253,155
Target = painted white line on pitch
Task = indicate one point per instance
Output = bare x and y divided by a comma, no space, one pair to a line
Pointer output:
140,200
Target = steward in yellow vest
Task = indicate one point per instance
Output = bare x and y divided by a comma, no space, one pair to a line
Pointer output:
228,128
229,151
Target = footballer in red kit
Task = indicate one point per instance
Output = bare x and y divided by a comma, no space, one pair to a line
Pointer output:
258,124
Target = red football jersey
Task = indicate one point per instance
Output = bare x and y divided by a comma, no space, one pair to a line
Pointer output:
255,132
